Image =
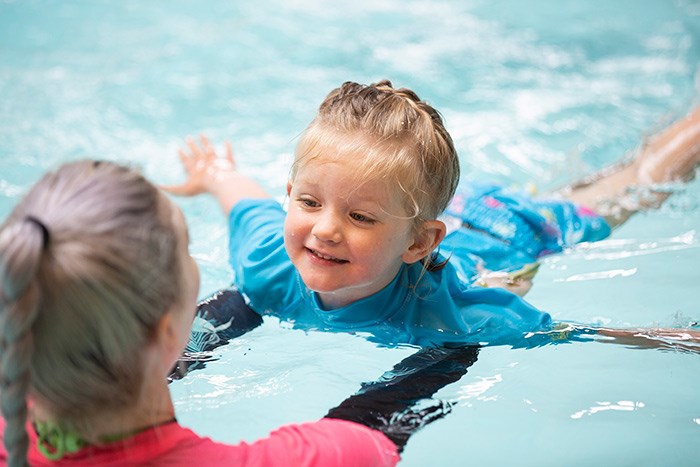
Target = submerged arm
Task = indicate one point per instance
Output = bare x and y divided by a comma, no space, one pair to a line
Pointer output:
687,340
209,173
391,404
653,338
219,318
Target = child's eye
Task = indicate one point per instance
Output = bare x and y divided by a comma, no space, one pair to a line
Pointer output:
309,203
362,218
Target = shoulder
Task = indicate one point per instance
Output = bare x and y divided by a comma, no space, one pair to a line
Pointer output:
3,453
251,208
170,444
255,223
323,443
330,442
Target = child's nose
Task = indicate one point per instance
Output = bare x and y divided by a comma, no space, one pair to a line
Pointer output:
327,228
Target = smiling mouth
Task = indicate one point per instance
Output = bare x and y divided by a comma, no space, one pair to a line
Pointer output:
326,257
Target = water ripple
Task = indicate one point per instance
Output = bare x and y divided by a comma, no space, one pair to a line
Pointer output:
599,275
478,388
624,406
625,248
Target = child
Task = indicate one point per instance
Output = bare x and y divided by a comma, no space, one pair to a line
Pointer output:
97,300
356,250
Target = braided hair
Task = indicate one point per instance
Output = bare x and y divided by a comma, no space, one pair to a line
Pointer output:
88,265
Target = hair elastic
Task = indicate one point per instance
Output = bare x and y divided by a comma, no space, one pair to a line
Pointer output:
42,227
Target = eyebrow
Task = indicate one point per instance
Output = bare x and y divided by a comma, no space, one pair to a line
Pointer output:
303,181
356,194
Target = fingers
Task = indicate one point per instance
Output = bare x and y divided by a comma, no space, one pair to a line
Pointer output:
229,153
193,147
185,159
208,149
204,151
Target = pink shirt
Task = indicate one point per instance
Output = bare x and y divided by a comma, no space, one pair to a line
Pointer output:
327,442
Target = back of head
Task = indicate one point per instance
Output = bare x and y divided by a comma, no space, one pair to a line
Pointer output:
88,266
401,138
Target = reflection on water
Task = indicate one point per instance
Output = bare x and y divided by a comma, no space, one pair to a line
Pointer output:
622,406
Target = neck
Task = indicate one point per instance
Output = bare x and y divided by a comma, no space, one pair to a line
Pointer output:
153,407
338,299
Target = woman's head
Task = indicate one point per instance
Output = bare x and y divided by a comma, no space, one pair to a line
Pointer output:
393,136
90,261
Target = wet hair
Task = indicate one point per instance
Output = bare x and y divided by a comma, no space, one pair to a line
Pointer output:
88,266
399,138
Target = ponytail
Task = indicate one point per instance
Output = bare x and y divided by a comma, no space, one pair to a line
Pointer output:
22,246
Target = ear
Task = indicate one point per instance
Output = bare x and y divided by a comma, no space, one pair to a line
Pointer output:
429,236
289,187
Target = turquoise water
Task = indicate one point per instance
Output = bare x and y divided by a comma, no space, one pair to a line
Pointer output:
531,91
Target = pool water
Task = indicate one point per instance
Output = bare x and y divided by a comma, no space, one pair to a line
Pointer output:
531,91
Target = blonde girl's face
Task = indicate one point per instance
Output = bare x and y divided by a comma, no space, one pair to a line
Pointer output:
346,241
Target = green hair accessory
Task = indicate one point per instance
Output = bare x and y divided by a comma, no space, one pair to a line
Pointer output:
55,442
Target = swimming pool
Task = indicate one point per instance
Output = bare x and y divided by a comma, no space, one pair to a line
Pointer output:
530,91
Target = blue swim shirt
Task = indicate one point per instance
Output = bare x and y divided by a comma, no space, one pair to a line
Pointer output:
444,308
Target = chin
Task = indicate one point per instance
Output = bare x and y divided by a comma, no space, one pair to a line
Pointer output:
319,287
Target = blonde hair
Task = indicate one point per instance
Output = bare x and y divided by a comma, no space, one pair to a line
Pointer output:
402,139
88,266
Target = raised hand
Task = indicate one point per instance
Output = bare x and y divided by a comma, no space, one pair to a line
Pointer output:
209,173
202,166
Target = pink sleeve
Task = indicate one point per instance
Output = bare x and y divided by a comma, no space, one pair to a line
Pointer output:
327,442
3,453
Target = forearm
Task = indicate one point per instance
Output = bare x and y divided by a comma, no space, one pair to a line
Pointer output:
228,187
391,404
220,317
683,339
652,338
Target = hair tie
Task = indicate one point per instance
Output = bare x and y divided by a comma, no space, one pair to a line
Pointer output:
42,227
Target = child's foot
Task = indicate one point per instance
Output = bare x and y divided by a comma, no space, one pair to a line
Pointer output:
669,156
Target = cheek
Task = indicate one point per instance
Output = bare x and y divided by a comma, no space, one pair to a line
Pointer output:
193,282
291,236
288,229
293,227
197,277
396,244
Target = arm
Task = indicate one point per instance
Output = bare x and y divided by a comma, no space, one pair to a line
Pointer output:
208,173
391,404
683,339
686,340
219,318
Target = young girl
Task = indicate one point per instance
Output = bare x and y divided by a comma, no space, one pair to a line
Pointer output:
356,250
97,300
